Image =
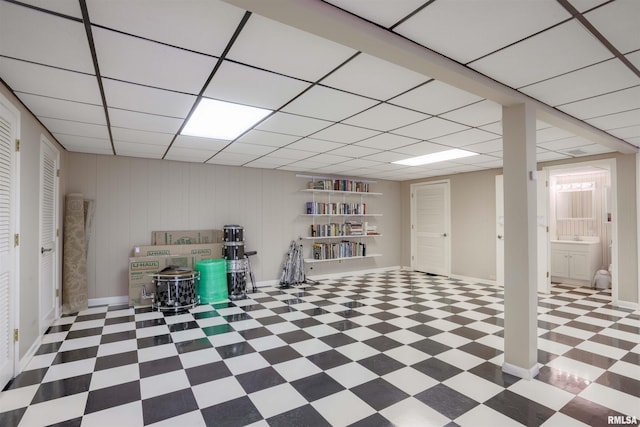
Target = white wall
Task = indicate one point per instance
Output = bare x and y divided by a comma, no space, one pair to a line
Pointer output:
136,196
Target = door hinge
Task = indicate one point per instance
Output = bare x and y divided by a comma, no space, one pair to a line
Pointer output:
17,145
57,232
547,228
546,183
58,172
412,195
16,335
16,239
57,292
547,274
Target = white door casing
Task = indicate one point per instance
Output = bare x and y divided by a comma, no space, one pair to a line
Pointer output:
544,279
9,239
430,223
49,301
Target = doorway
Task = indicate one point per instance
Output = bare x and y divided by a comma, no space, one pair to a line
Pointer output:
9,239
542,233
49,307
430,228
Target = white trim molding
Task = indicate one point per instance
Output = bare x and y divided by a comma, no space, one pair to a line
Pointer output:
527,374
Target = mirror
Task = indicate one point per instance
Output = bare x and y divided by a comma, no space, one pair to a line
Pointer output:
575,203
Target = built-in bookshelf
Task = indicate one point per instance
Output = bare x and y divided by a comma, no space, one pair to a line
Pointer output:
341,225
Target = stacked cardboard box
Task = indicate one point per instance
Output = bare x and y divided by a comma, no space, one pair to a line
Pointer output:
150,259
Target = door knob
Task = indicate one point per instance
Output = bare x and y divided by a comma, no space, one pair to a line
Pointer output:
500,236
444,234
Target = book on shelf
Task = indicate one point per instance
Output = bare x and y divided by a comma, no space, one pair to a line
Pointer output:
322,208
343,249
339,185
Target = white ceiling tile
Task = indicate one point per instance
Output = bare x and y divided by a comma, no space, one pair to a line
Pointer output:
373,77
590,150
65,7
443,27
250,86
464,168
381,12
329,158
328,104
618,22
268,163
354,151
386,156
141,137
314,145
493,146
634,58
634,141
271,139
587,82
556,51
359,163
344,133
142,121
615,102
497,163
430,128
130,149
626,132
565,144
36,79
466,137
253,149
480,113
304,165
184,154
202,26
292,124
495,127
388,167
584,5
140,61
83,144
291,155
67,110
480,159
44,38
332,169
387,141
199,144
435,97
420,149
551,134
385,117
617,120
273,46
143,99
550,156
232,159
76,128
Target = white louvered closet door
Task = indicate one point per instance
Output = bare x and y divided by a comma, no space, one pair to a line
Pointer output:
8,132
48,197
430,228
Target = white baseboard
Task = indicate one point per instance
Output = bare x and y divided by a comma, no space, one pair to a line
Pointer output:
353,273
626,304
93,302
24,361
527,374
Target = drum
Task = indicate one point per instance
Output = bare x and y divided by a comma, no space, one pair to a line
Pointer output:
236,278
233,233
175,289
233,250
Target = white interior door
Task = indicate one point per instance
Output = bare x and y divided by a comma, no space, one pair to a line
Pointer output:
8,228
430,228
544,280
49,159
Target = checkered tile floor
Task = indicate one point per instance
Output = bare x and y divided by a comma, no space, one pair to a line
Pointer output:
396,348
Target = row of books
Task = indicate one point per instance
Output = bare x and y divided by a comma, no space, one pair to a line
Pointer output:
321,208
339,185
344,249
348,228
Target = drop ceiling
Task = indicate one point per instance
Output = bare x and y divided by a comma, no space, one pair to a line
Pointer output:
120,77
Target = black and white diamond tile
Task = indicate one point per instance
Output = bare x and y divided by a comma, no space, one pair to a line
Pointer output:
390,348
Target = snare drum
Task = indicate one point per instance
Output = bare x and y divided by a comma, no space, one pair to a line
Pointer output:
175,289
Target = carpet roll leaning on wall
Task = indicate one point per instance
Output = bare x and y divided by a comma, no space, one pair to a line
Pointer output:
74,264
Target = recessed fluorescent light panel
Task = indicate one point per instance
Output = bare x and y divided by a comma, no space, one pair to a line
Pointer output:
440,156
222,120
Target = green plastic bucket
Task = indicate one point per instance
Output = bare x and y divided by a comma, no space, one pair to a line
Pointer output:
213,280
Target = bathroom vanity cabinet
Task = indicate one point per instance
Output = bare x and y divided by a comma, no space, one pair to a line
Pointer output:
575,262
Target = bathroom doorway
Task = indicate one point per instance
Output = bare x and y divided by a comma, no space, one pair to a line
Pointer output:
582,227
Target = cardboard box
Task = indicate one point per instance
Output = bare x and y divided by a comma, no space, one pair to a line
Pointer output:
186,237
211,250
141,270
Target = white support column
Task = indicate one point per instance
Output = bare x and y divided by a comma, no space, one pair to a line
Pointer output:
520,241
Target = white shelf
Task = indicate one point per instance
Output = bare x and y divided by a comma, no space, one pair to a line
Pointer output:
356,236
353,193
312,261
